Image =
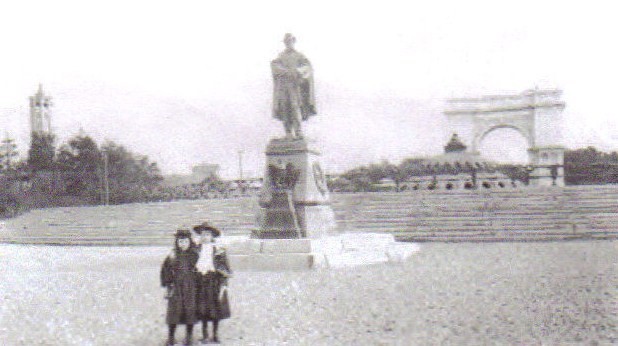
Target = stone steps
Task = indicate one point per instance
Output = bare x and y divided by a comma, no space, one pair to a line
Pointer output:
507,238
454,223
90,241
465,230
514,212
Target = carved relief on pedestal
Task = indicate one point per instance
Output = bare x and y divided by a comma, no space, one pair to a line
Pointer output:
283,178
320,179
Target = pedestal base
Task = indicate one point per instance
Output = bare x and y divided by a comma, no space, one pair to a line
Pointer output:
335,251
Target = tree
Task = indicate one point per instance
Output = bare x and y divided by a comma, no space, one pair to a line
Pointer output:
590,166
412,167
8,154
396,173
131,177
359,179
377,171
515,172
42,152
80,162
214,183
9,200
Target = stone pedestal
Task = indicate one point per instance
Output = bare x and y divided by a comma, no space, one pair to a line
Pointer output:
294,201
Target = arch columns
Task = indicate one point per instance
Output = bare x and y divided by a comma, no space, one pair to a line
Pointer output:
536,114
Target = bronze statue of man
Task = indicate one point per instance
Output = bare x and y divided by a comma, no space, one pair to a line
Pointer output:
293,98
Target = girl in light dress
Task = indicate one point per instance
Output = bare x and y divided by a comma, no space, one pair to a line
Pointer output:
213,272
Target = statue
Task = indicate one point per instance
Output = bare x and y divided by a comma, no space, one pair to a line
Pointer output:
294,199
293,97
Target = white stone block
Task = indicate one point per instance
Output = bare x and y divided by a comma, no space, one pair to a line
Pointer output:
267,262
241,245
366,241
355,258
400,252
319,261
275,246
332,244
318,220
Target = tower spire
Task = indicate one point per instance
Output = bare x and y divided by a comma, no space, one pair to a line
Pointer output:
40,112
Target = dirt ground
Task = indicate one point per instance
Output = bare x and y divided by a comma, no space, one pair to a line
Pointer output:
496,293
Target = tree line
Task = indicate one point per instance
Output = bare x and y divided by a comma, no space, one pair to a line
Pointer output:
368,178
82,172
78,172
590,166
581,166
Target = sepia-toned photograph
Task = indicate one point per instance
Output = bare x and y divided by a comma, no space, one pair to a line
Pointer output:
308,173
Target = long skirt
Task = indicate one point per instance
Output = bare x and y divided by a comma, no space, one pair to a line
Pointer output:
212,305
182,305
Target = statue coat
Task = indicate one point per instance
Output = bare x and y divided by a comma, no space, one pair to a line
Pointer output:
293,86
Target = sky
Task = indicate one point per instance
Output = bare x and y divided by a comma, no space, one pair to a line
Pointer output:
186,82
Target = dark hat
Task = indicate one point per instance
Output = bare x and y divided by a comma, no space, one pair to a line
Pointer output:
183,233
205,226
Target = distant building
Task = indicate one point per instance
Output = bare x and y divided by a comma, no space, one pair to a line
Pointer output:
198,174
205,170
40,113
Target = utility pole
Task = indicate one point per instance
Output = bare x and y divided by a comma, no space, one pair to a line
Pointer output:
240,152
106,176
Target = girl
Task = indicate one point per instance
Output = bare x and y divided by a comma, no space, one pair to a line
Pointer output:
179,277
213,272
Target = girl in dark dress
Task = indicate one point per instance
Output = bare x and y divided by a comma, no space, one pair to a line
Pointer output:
213,271
178,275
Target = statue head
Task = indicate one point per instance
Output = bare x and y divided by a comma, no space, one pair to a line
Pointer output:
289,40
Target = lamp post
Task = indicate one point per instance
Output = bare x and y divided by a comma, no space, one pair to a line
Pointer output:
240,178
529,170
554,174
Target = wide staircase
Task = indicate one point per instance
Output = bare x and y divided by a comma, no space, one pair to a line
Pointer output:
583,212
499,215
127,224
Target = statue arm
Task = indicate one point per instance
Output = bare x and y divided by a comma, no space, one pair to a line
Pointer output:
304,68
305,71
278,69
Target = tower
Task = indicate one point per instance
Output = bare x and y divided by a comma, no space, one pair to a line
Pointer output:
40,112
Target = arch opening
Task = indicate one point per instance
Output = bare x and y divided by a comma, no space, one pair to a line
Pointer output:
504,144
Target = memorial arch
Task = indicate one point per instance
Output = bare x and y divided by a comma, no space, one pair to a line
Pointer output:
535,114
